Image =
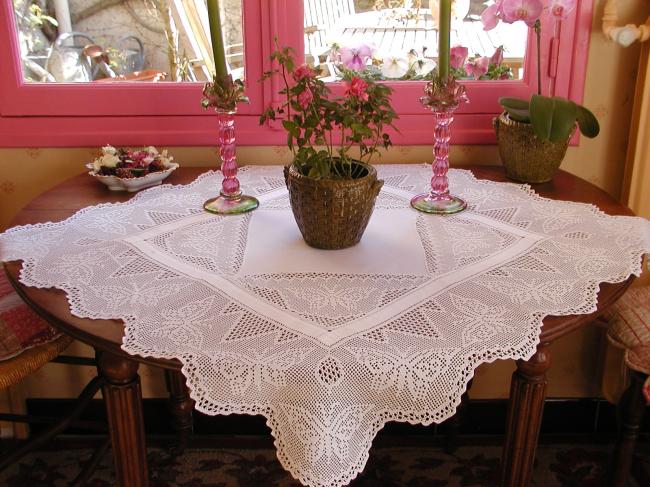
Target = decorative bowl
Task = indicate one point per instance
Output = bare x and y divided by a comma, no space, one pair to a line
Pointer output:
132,184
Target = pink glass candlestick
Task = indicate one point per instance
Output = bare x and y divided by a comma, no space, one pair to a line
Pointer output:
230,200
443,99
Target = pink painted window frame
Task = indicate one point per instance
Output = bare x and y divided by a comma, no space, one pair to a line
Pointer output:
79,115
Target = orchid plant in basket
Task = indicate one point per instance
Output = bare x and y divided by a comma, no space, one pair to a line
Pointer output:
552,118
321,129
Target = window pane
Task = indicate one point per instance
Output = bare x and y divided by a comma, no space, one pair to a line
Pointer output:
398,39
135,40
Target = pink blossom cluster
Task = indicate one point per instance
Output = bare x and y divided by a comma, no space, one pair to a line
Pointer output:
527,11
477,66
306,74
356,88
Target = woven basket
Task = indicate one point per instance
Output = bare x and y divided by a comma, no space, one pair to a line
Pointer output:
332,214
526,158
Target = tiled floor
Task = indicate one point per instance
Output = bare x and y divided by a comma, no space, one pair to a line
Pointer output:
557,465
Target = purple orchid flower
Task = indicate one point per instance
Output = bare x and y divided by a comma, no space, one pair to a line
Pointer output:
528,11
561,9
490,17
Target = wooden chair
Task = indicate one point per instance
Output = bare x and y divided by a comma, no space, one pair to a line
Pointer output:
629,329
27,343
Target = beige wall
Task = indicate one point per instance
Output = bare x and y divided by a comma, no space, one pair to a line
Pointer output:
576,365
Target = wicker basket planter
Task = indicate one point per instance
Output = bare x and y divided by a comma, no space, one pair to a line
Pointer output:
332,214
525,157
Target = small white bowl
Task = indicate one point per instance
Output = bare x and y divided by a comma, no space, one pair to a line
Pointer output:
132,184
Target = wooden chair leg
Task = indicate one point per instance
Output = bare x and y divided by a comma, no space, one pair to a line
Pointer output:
630,410
84,398
181,407
91,465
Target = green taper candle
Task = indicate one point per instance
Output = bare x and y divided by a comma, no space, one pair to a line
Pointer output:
216,34
444,31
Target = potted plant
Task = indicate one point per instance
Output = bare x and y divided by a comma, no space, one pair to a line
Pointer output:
332,186
533,135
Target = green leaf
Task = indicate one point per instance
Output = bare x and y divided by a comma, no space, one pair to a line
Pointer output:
292,128
517,103
552,118
517,108
587,122
362,129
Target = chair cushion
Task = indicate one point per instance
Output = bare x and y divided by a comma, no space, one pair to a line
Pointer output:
20,327
629,327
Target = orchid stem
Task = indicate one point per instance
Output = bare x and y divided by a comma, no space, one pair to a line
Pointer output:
538,31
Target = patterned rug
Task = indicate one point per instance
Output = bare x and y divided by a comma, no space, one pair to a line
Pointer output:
560,465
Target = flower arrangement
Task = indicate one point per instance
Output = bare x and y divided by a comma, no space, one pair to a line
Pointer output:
552,118
364,58
478,67
128,163
322,130
416,65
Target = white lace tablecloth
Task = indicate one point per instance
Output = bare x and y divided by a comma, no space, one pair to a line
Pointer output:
330,345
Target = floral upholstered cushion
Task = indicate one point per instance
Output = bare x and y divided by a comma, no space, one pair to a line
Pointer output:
629,328
20,327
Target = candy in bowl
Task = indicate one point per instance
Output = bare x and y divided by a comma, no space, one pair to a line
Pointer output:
131,169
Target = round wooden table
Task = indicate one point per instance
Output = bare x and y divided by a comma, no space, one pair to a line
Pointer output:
122,393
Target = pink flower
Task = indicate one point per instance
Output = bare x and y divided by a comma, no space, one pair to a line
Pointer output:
356,87
478,67
490,17
497,57
305,98
457,56
562,8
528,11
139,158
355,58
303,71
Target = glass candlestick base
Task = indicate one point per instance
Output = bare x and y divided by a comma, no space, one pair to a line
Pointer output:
231,205
440,206
230,201
443,98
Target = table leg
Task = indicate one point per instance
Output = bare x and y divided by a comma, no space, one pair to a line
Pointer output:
527,393
123,399
181,407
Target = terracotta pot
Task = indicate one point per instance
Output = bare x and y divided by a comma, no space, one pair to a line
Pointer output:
332,213
525,157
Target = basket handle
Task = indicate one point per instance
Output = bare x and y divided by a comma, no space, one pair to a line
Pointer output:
495,124
376,186
285,170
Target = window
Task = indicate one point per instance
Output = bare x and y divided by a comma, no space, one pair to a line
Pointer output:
393,35
60,114
131,40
